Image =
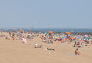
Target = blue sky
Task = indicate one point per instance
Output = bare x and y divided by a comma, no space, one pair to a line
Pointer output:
46,13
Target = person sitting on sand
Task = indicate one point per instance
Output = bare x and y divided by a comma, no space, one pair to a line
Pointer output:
78,44
24,40
77,52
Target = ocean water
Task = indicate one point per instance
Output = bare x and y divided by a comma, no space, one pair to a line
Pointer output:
63,30
51,29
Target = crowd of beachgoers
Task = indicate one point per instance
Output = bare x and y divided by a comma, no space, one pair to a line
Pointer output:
79,40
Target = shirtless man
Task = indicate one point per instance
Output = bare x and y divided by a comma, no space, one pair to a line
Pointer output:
77,52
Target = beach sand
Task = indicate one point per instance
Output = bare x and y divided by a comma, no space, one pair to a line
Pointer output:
14,51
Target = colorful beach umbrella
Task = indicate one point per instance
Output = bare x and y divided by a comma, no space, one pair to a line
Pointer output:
68,32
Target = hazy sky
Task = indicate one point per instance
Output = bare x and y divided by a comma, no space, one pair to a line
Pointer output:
46,13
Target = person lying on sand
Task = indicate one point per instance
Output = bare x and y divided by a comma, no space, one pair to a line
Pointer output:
51,49
37,46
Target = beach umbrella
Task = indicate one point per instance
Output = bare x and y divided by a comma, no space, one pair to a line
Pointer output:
68,33
51,32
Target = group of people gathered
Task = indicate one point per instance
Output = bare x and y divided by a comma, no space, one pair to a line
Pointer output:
79,40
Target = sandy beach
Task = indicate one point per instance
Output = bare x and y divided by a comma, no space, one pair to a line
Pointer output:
45,31
14,51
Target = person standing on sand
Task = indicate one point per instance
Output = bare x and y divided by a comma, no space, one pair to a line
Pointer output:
75,44
13,36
